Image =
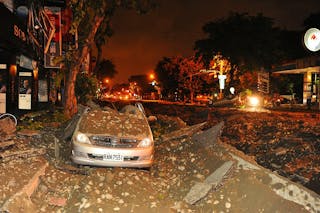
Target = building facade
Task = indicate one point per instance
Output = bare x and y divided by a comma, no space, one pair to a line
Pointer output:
309,67
30,41
18,63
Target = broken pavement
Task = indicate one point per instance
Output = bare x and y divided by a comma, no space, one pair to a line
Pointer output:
181,161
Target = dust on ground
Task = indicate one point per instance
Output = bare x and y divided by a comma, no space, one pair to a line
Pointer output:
178,165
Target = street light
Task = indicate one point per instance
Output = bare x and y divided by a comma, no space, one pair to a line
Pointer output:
151,76
232,90
222,79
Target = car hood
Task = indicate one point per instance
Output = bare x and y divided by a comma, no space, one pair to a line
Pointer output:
113,123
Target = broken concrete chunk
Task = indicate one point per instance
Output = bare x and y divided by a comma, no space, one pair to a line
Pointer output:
6,144
184,132
32,152
200,190
29,132
197,192
217,176
210,136
7,126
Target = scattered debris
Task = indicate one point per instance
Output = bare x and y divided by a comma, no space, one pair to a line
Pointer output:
184,132
6,144
32,115
28,132
72,169
209,136
32,152
7,128
20,201
200,190
57,201
288,144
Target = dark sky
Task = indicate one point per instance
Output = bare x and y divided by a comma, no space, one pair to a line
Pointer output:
140,41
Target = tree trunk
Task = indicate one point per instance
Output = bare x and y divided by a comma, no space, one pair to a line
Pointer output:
70,97
71,101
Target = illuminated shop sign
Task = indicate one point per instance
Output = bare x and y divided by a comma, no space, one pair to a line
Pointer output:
20,34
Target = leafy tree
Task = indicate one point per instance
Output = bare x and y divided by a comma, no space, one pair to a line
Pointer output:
86,87
312,21
248,42
183,74
223,66
291,44
88,18
189,68
167,71
180,73
247,81
106,69
100,39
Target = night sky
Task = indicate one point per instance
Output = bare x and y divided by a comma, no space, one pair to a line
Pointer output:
140,41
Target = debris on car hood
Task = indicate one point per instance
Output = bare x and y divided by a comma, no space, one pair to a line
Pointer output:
111,122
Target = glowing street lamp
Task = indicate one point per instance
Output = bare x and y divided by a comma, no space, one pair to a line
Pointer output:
151,76
232,90
222,79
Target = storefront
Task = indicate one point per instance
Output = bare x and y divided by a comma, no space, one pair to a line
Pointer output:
18,69
310,69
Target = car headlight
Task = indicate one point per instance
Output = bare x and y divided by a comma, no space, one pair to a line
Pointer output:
82,138
146,142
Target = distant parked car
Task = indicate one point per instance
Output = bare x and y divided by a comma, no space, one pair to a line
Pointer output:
113,138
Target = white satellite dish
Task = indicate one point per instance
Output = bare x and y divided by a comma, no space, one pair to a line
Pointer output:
312,39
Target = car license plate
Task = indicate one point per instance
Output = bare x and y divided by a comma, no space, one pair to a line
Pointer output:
113,157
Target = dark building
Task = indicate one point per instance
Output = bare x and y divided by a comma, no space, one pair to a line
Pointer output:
30,39
17,62
309,70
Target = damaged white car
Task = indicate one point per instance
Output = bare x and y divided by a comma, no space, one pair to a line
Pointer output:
113,138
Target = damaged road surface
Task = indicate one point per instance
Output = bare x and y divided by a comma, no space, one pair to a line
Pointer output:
286,143
186,156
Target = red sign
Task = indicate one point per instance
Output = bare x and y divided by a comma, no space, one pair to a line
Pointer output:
53,43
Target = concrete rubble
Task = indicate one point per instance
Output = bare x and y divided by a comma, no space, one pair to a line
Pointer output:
196,169
288,144
201,189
